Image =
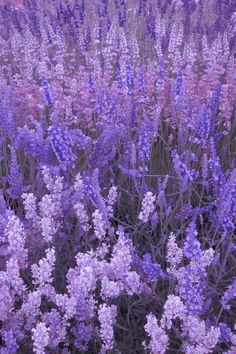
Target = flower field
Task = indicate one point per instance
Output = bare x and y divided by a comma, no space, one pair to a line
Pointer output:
118,176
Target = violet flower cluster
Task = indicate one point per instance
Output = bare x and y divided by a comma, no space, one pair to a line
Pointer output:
117,176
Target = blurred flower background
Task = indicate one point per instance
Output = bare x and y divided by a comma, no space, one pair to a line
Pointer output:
117,176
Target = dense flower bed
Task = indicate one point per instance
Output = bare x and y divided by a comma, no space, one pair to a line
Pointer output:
117,176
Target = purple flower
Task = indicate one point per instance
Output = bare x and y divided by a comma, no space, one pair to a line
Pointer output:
225,332
185,174
192,247
148,207
11,345
151,271
47,91
40,338
229,294
146,136
82,335
158,338
62,146
15,177
107,317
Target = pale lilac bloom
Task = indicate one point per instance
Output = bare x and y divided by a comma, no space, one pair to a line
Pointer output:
173,308
40,336
42,273
199,335
50,207
15,235
99,225
110,201
111,289
67,304
174,254
148,207
30,205
107,317
82,216
158,338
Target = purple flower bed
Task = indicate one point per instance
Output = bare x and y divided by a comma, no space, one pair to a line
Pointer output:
117,176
